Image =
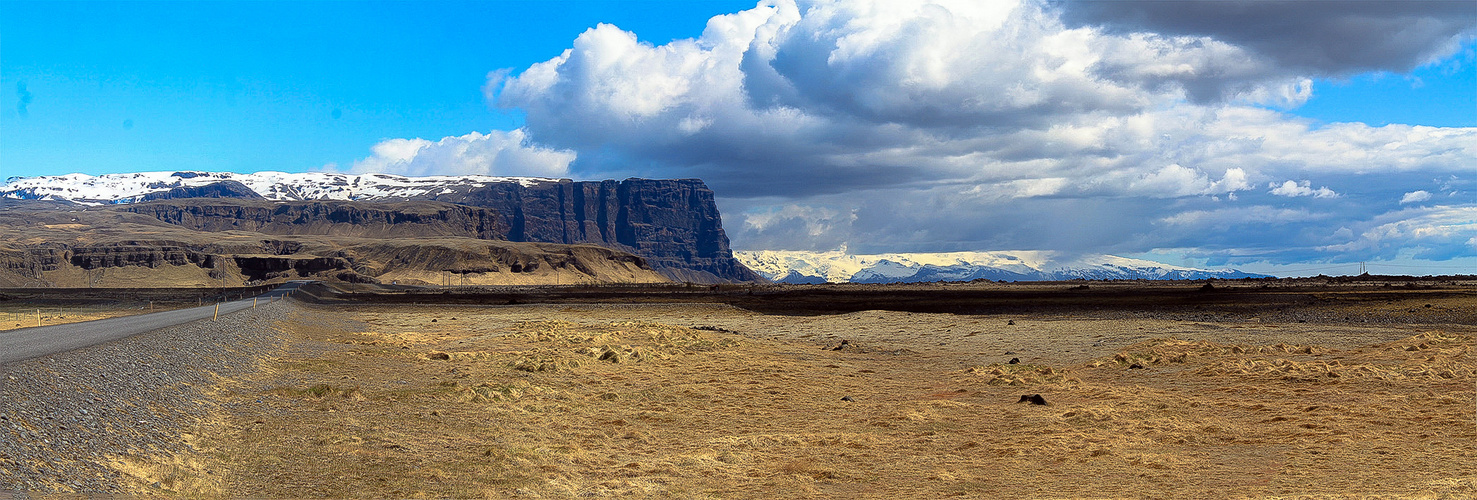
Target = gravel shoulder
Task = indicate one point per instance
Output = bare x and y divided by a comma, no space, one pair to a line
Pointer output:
109,417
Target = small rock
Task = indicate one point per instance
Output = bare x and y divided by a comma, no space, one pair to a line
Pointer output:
843,344
1034,399
1135,366
1010,323
847,398
1015,361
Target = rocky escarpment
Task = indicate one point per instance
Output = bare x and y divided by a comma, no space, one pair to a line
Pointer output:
337,218
223,189
675,224
110,247
356,260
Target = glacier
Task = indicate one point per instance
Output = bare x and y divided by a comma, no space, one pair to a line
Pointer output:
788,266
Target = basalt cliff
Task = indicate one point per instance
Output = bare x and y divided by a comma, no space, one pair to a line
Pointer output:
196,242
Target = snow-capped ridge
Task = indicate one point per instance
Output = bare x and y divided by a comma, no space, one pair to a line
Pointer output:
279,186
839,267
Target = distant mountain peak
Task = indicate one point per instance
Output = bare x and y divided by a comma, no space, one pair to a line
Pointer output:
839,267
277,186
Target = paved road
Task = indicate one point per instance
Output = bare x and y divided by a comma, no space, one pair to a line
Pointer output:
27,343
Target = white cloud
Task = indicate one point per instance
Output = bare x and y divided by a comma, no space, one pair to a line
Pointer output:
1294,189
815,220
1226,217
921,125
1174,181
495,153
786,224
1441,232
1416,196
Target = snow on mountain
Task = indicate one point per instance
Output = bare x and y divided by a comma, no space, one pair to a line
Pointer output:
128,188
840,267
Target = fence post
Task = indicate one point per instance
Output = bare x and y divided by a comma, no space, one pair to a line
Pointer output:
38,317
217,312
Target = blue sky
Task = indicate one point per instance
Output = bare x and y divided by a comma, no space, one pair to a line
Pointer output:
248,86
1281,137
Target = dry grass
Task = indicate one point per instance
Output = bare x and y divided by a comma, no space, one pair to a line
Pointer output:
21,318
624,400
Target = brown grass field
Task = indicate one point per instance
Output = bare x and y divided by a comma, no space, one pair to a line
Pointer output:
13,318
712,401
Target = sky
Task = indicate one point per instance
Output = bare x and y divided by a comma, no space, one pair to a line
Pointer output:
1286,137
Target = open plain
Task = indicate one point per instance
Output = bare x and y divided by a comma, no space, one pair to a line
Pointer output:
1358,390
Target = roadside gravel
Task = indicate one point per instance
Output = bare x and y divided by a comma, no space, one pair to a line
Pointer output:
63,417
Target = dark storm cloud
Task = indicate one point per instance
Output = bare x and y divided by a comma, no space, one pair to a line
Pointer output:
1323,37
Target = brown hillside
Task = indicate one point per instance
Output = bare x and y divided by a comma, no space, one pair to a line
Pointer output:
108,247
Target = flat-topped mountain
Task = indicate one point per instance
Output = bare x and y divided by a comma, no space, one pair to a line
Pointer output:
673,224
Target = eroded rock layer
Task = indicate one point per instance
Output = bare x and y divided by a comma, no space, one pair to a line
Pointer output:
433,243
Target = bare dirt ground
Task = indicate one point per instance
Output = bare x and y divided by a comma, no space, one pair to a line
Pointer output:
699,401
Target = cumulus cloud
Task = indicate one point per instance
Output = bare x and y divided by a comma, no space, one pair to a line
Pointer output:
1416,196
1293,189
495,153
1435,233
917,125
784,223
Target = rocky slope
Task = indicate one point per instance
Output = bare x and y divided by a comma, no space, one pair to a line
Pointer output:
674,224
116,247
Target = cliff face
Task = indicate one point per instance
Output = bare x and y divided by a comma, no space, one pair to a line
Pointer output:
223,189
673,223
334,218
115,247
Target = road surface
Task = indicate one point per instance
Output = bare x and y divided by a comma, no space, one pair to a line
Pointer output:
27,343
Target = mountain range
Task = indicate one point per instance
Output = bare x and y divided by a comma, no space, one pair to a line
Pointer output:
276,186
673,224
840,267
